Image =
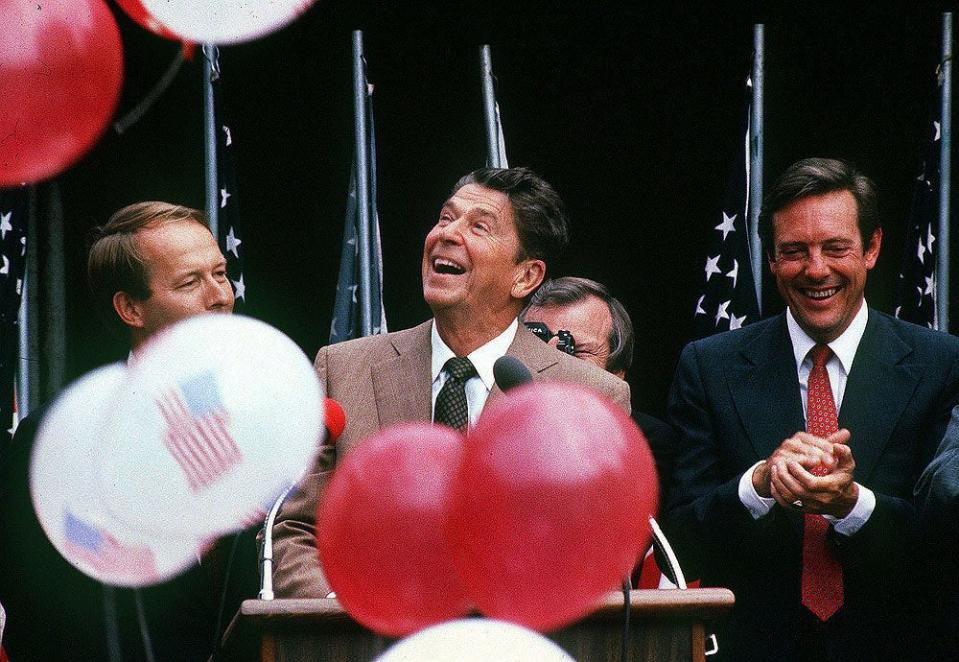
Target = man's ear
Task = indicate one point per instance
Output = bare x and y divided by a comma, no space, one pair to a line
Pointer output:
128,310
528,276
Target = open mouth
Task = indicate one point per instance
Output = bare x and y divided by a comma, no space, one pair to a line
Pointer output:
820,294
442,265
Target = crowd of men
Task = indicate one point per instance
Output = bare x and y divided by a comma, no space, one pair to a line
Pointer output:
808,461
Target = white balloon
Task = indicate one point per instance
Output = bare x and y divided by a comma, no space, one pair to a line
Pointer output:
225,21
475,640
64,487
219,414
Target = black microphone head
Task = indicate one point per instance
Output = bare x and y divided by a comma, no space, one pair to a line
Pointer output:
509,372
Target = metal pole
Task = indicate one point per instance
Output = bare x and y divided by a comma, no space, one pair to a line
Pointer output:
756,162
362,181
210,72
27,370
489,107
24,390
945,180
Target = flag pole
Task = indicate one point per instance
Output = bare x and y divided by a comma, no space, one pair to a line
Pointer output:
210,71
489,107
756,161
24,395
362,181
945,180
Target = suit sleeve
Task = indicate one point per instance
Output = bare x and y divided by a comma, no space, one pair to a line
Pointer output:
296,564
903,527
937,497
704,518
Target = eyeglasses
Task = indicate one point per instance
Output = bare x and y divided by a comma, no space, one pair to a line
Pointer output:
566,343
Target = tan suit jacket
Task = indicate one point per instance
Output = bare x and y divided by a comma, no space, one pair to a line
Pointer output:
386,379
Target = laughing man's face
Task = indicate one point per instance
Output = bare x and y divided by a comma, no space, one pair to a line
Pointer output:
820,263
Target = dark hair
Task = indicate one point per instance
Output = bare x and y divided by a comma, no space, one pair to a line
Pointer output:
818,176
114,263
539,212
569,290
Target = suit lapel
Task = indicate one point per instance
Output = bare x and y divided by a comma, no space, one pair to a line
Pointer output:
879,386
533,352
765,389
402,385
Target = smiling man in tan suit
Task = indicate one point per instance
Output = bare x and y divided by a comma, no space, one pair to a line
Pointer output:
482,260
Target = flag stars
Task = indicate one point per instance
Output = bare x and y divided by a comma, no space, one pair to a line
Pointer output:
721,313
224,196
232,243
712,267
228,137
699,306
938,128
728,224
5,225
736,322
734,274
240,288
5,269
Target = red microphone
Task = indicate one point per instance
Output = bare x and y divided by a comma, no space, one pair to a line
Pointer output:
335,420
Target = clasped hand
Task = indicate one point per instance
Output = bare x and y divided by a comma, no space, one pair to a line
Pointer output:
811,474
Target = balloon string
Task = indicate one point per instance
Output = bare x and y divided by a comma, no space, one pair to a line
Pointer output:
138,111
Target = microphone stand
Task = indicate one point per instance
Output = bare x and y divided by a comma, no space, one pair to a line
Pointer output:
266,550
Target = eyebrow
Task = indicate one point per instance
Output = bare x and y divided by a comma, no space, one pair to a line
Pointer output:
475,211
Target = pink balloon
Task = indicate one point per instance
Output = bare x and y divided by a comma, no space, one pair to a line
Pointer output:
61,67
135,10
549,511
381,538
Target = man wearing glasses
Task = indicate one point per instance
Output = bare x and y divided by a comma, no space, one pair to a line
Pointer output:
580,317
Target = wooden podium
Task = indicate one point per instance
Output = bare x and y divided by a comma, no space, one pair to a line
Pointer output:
665,626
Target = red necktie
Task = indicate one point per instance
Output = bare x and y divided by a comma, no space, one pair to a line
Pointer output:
822,590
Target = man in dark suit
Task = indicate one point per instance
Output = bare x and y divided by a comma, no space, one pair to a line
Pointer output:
486,254
150,265
808,516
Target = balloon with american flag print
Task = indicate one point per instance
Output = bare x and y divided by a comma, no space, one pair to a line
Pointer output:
63,485
218,415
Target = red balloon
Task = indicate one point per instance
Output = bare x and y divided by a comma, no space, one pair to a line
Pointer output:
549,511
61,66
380,523
135,10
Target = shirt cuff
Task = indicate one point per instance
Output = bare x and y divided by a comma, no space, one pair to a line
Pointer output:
858,516
756,505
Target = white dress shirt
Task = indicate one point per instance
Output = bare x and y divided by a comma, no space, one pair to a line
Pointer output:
838,366
477,388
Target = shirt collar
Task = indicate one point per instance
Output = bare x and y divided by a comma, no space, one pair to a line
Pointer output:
844,347
482,357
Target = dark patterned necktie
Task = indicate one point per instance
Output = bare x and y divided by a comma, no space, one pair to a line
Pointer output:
822,586
451,406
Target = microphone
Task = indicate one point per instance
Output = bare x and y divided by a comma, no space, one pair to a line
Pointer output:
509,372
335,423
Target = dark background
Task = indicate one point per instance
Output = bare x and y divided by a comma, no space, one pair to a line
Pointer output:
630,112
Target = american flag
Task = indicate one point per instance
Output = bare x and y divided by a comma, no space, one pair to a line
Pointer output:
104,553
728,299
916,293
347,318
198,435
230,229
14,210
